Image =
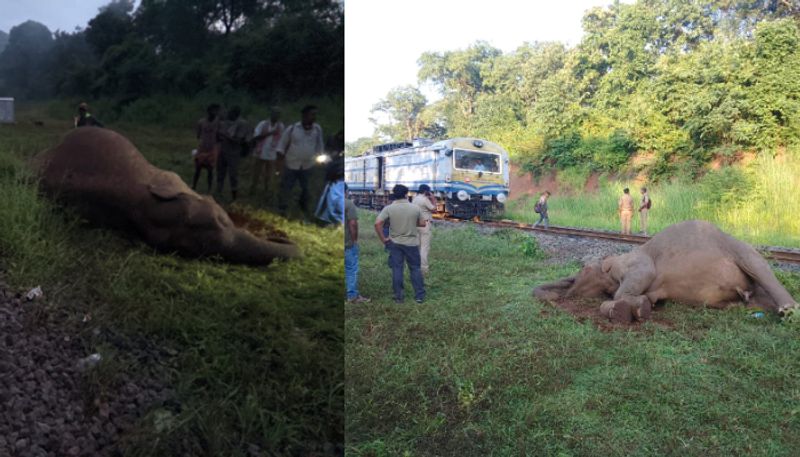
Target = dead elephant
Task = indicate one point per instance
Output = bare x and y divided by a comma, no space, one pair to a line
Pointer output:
691,262
105,177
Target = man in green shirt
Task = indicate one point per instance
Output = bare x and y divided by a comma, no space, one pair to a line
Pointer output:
427,204
351,252
403,243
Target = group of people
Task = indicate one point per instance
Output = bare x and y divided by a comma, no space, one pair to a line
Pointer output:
624,208
277,150
404,229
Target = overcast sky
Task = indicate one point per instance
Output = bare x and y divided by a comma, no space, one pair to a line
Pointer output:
384,39
55,14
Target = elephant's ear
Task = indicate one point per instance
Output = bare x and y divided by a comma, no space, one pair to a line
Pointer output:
164,191
606,265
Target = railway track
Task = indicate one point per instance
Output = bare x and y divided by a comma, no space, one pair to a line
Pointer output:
770,252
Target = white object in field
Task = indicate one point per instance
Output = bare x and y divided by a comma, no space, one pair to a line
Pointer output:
7,110
34,293
89,362
194,152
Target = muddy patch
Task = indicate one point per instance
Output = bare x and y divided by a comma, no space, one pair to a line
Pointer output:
589,311
258,228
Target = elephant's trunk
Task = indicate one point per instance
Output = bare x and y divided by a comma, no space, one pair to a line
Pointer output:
245,248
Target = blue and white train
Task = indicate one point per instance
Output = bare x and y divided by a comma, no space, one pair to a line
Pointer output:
468,176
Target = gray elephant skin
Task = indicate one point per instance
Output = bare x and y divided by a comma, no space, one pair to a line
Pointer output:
102,174
691,262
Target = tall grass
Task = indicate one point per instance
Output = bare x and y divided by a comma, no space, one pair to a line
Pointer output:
256,353
757,203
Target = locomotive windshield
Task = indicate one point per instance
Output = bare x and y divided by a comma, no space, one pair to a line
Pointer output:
476,161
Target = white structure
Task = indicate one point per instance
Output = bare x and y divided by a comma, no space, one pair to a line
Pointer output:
6,110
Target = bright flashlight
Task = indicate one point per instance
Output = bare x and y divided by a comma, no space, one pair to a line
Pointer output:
323,158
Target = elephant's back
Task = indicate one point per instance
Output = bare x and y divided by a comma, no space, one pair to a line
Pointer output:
90,153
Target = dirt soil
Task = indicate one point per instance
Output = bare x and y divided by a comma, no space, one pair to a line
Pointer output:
589,310
255,226
51,406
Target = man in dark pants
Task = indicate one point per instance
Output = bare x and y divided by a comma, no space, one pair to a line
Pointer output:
403,242
233,132
300,143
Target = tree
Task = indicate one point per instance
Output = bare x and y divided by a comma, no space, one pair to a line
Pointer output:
111,26
459,75
3,40
22,63
403,106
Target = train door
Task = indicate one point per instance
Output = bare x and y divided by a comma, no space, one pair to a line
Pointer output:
381,180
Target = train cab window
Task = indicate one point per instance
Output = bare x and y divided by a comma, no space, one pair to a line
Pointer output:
476,161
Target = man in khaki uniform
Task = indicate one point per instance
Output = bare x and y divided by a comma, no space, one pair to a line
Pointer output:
427,204
644,208
625,208
403,243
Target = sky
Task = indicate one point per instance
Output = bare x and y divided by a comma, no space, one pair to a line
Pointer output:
384,39
62,15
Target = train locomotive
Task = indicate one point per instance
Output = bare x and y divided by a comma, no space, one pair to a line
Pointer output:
468,176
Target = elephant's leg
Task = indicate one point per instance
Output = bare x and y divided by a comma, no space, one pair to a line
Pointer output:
553,290
636,282
751,262
627,310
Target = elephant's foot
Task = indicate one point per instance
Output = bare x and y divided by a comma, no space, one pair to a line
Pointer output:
617,311
642,309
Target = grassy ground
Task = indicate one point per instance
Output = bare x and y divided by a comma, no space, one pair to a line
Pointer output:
255,353
481,368
754,203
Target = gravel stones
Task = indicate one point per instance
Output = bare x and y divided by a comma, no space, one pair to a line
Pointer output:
46,402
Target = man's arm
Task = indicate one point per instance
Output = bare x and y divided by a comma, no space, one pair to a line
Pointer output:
352,225
379,231
320,142
284,141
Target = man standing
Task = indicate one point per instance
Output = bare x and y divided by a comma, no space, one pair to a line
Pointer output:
300,143
643,209
427,204
403,243
625,208
233,133
351,252
267,135
85,118
541,208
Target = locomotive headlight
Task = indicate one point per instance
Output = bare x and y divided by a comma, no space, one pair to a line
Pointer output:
462,195
501,197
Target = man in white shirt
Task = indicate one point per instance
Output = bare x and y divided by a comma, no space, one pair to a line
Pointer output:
267,135
300,143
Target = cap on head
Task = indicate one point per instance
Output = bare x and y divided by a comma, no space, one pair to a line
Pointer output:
399,191
626,190
424,188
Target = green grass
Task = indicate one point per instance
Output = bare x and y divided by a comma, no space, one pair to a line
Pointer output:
481,368
255,354
756,203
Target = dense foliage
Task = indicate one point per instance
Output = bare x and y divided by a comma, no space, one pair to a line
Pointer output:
268,49
683,81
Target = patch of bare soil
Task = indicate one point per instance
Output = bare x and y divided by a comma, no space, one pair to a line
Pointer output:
258,228
589,310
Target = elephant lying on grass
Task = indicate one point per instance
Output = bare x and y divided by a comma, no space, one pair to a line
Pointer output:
691,262
107,179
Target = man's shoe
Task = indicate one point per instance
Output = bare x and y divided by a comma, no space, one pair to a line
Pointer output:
358,299
419,300
399,301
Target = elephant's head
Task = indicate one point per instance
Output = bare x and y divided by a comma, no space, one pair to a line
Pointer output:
178,218
593,281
